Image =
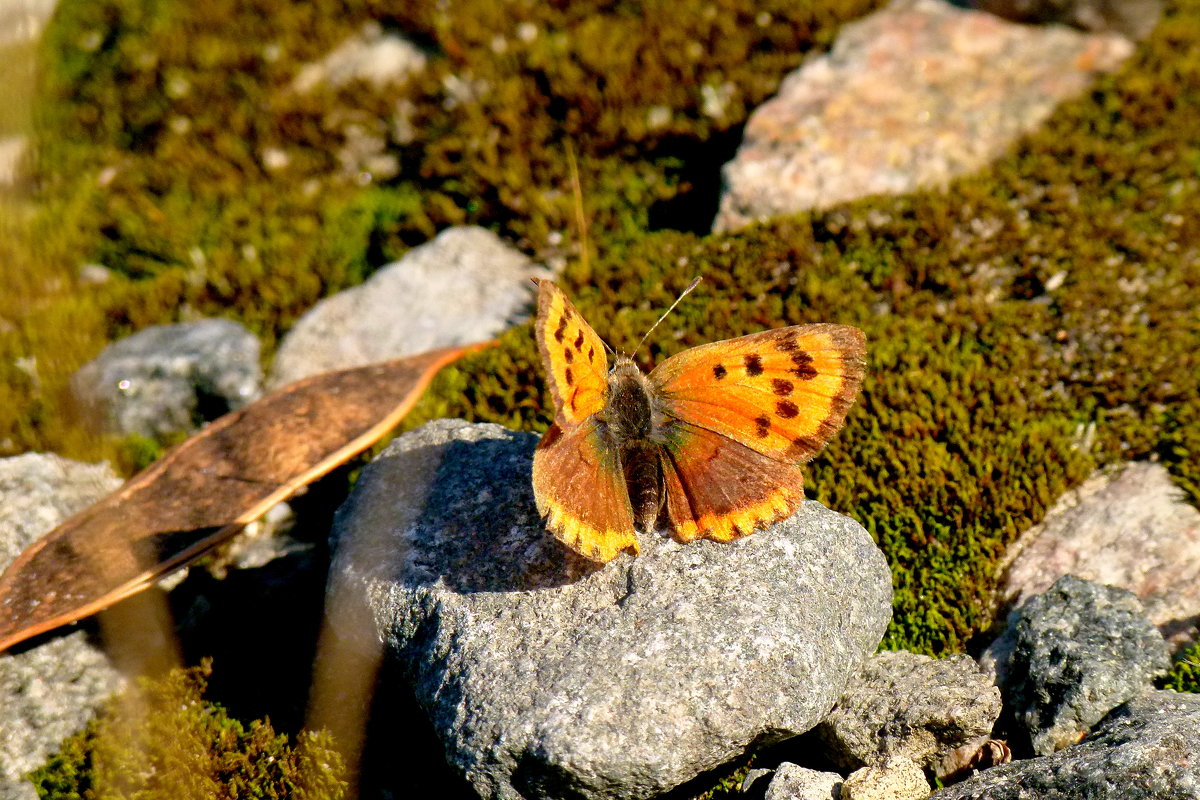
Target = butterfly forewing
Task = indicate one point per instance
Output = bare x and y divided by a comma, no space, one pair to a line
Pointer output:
782,393
572,355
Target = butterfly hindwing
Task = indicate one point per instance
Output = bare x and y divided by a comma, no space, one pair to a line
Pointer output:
782,393
720,489
580,490
572,355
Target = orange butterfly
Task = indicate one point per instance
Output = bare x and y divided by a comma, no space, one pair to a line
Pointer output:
709,444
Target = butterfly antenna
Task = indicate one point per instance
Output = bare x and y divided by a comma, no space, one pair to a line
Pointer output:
682,295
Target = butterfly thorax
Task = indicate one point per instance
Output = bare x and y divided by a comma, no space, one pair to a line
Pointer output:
633,422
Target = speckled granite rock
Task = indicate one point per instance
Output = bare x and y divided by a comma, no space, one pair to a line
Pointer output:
49,688
910,705
1147,749
1130,528
465,286
171,378
546,675
1071,655
910,96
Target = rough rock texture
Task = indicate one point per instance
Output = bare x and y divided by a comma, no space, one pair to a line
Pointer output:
465,286
904,704
910,96
1129,528
898,778
1147,749
1070,656
546,675
171,378
793,782
49,689
1133,18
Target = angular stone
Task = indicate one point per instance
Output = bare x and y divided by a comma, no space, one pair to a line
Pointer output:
465,286
167,379
898,778
1132,18
1130,528
547,675
911,96
910,705
48,690
793,782
1071,655
1146,749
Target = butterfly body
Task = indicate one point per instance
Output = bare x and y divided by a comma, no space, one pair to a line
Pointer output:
708,445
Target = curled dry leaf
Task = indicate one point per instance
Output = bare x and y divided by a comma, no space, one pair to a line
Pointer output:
205,490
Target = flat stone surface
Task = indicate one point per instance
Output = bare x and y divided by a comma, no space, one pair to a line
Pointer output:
546,675
1071,655
1147,749
51,687
1129,528
171,378
465,286
911,96
910,705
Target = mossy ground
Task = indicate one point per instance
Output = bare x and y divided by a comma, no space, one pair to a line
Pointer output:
1026,324
163,740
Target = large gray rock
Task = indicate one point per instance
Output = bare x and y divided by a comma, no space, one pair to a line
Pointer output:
909,97
910,705
1071,655
1130,527
167,379
1147,749
48,690
546,675
465,286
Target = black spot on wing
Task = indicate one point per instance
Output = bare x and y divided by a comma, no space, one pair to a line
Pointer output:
786,409
762,426
561,331
781,387
719,372
754,365
803,368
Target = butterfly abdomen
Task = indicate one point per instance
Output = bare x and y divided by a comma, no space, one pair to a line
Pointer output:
629,422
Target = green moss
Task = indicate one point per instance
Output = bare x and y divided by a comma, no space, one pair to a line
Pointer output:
162,740
1185,672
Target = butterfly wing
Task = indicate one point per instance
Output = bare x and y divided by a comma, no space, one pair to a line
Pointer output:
578,483
572,356
580,490
718,488
747,412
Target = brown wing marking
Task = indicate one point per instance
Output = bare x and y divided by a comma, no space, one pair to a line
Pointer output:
580,490
572,356
717,488
783,393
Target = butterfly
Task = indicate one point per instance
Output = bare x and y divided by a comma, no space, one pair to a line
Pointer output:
707,445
